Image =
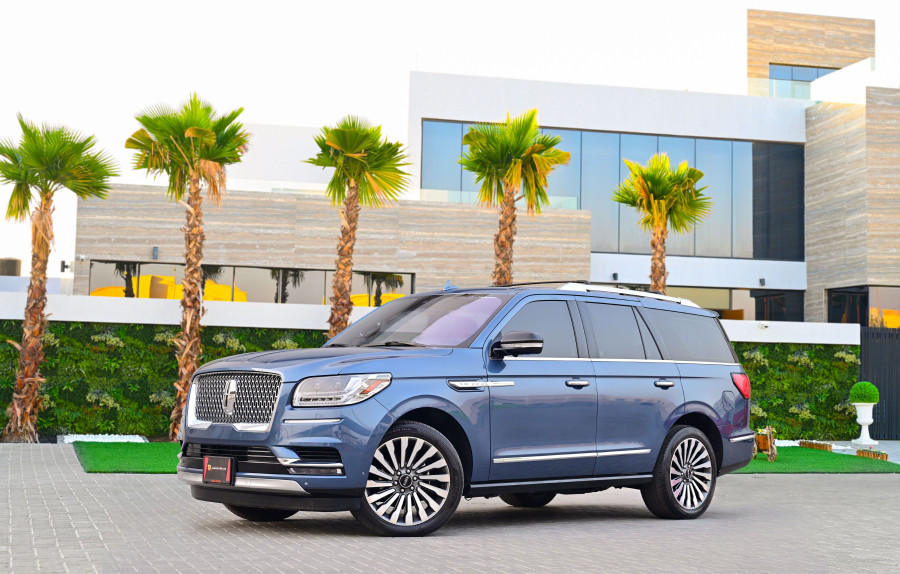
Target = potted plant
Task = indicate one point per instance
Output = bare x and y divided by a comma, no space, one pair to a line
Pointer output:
864,395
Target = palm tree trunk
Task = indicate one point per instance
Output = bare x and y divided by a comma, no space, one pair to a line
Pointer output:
342,284
23,410
378,294
503,240
187,344
658,261
129,284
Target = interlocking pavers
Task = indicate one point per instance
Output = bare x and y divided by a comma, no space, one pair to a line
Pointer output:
56,518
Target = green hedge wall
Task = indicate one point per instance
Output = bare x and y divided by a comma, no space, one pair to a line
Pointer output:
802,390
112,378
118,378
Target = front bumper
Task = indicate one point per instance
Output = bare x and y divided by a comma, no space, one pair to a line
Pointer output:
266,492
244,482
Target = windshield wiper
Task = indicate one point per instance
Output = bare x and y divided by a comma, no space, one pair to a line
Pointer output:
395,344
337,345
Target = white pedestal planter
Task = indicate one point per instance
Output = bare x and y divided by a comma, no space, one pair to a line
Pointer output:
864,419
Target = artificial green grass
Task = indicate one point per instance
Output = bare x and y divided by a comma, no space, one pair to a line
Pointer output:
799,460
128,457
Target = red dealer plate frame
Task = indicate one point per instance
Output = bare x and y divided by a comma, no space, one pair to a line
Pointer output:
218,470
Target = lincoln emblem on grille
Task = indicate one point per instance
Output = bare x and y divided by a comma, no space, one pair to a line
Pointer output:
228,397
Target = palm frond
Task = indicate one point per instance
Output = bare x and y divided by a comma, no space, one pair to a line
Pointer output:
662,196
47,159
191,139
357,152
513,154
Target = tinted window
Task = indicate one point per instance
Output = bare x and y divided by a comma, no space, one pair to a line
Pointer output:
615,331
550,320
649,343
692,338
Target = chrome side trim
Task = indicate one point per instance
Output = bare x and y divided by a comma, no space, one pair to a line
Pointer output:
545,457
742,438
245,483
311,421
570,456
467,385
623,452
476,385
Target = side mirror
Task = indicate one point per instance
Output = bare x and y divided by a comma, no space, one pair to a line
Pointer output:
517,343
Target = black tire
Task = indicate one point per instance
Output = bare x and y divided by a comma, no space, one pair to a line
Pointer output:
692,494
528,499
260,514
423,490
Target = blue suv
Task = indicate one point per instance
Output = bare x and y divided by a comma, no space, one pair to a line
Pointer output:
518,392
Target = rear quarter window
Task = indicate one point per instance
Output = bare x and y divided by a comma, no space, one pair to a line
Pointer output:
692,338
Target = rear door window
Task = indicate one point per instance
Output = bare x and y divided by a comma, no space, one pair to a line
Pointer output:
552,321
690,338
614,331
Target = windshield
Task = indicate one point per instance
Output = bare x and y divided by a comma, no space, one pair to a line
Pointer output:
452,320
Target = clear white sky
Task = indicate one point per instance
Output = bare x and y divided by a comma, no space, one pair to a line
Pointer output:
93,64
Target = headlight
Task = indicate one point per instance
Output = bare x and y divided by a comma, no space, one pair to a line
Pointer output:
338,390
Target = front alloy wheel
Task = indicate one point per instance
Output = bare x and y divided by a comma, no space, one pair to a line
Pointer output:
414,483
684,478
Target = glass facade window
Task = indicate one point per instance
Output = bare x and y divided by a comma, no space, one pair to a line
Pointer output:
757,190
714,234
243,284
599,177
868,306
564,183
793,81
778,305
849,305
441,148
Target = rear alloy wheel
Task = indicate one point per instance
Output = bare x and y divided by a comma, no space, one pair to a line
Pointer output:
528,499
414,485
684,479
260,514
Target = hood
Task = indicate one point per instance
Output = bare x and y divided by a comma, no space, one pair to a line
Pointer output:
296,364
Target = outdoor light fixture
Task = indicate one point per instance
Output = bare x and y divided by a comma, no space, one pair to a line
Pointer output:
63,266
762,281
155,253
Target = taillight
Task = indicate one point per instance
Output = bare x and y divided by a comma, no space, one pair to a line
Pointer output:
742,382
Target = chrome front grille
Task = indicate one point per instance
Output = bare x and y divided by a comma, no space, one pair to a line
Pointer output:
254,398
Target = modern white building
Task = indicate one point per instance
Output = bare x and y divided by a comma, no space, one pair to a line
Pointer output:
770,136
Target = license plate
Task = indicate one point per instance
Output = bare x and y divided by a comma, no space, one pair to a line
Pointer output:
218,470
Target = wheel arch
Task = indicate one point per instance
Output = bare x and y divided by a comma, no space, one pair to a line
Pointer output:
705,425
447,425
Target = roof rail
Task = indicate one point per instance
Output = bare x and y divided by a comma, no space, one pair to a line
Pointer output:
581,287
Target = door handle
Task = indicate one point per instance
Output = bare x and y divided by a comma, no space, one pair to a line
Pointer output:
664,384
577,383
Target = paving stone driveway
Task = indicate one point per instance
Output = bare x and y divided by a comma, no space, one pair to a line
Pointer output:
56,518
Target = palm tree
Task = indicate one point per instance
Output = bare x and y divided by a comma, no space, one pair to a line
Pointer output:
507,159
367,171
191,146
127,271
663,198
46,160
282,277
380,281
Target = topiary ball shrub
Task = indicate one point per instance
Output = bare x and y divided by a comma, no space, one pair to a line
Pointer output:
864,392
